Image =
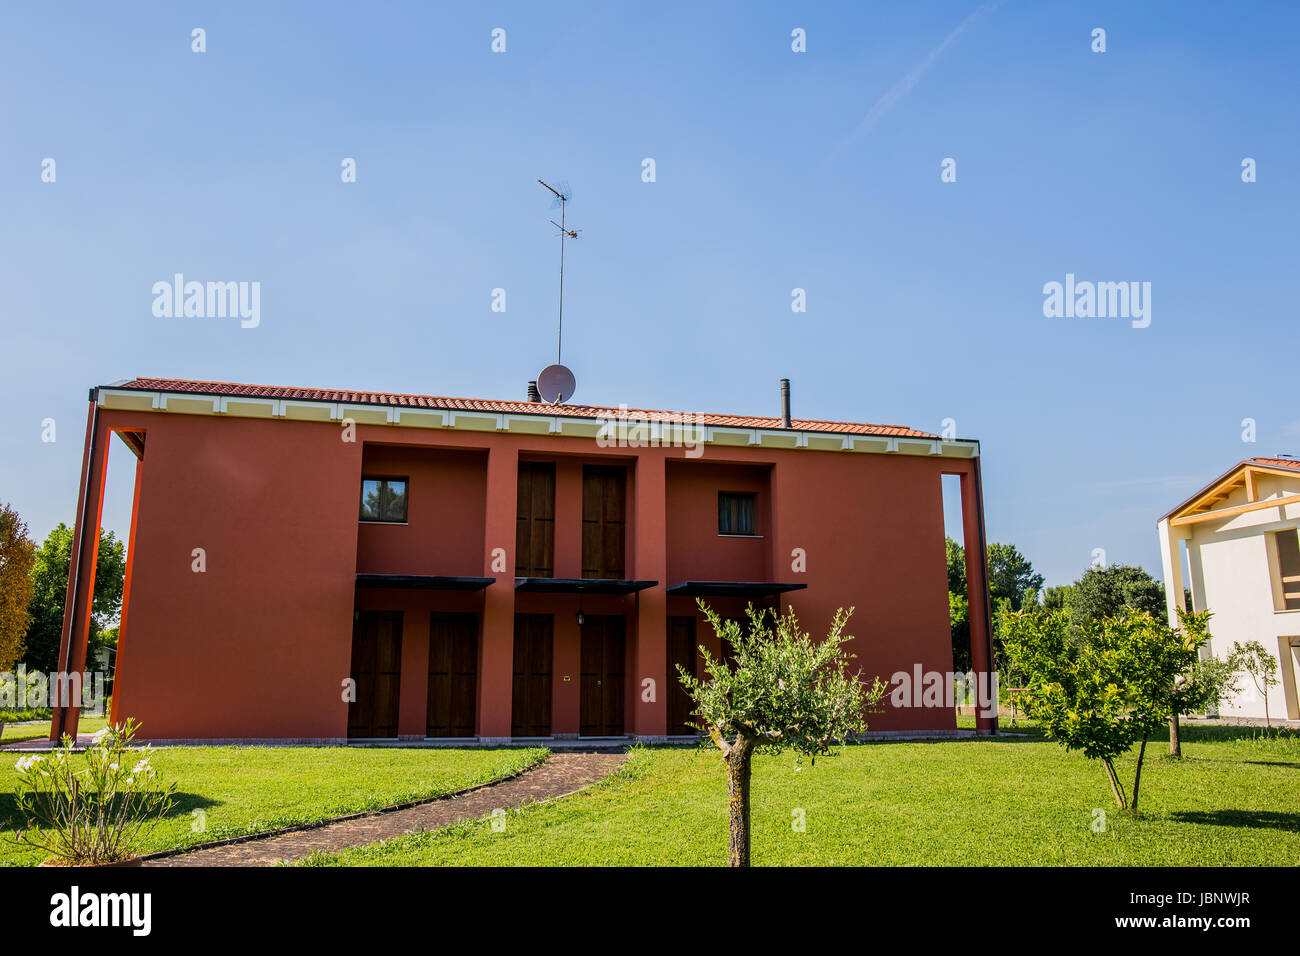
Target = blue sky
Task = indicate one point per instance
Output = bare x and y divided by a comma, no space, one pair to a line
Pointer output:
774,170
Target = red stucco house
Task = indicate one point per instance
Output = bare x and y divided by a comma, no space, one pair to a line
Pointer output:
494,569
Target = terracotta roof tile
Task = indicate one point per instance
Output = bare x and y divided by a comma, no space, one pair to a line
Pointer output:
488,405
1278,462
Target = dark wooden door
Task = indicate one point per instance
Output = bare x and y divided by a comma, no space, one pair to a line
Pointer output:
453,675
681,650
600,709
377,671
604,506
530,711
535,521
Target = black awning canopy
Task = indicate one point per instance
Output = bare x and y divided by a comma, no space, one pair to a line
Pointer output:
422,582
732,588
581,585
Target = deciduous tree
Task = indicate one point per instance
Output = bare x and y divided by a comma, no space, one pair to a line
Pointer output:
1101,686
1104,592
50,588
1202,687
1254,658
17,556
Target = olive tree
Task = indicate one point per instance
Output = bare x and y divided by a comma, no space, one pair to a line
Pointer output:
781,691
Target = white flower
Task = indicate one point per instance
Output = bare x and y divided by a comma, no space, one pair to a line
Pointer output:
26,763
97,737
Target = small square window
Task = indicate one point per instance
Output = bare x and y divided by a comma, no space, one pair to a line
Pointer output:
383,499
736,512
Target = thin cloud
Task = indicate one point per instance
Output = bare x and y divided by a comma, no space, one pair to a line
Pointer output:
905,85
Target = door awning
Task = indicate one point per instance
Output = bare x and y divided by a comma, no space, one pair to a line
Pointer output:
423,582
581,585
732,588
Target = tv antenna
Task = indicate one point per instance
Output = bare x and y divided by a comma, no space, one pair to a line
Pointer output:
562,197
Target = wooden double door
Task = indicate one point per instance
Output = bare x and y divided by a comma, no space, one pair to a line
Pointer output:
376,672
453,675
602,680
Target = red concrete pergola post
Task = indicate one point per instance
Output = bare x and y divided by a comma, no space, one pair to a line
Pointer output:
81,576
650,563
977,594
496,648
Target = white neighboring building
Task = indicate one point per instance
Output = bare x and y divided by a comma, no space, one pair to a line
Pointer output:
1243,553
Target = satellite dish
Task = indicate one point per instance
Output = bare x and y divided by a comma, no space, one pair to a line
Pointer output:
557,384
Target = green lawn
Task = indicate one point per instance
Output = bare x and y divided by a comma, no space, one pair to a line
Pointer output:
1232,800
245,789
16,732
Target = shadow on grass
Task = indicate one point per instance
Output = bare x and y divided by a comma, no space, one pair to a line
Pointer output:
1249,819
183,804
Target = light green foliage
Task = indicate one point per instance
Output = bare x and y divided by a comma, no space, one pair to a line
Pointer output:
1102,685
1206,684
1254,658
783,690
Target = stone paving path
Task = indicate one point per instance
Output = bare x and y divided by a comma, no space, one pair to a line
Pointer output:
559,776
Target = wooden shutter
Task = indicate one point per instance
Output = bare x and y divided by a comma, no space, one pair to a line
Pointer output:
535,522
604,506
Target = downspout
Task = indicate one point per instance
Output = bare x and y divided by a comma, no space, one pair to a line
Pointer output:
60,714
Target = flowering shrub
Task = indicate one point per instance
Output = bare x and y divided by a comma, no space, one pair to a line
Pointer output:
97,813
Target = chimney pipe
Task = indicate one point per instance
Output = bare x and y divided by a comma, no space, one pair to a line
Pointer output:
533,394
785,403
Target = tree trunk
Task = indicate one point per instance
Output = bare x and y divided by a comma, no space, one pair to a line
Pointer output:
738,773
1175,744
1115,786
1137,774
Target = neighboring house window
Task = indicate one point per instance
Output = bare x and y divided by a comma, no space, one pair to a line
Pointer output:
736,512
383,499
1288,564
